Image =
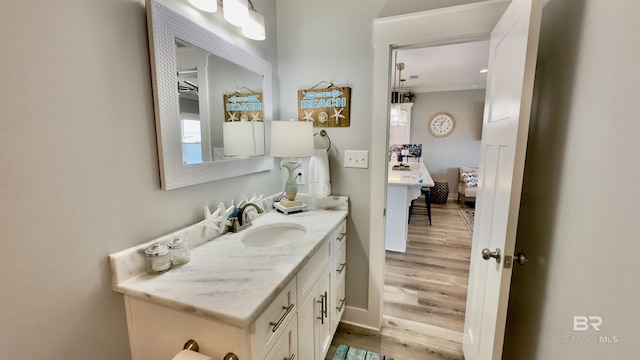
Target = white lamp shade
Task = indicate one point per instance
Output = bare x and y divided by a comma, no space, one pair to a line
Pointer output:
253,28
244,138
236,12
210,6
291,139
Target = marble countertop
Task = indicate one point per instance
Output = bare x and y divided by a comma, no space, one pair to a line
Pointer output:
231,282
410,177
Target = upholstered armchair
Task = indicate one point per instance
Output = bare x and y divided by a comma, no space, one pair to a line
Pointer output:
467,184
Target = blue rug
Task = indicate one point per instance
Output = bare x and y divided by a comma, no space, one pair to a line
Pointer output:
344,352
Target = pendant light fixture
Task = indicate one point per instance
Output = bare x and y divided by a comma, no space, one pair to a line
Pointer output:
397,116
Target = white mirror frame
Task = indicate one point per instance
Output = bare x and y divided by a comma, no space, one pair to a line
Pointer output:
165,26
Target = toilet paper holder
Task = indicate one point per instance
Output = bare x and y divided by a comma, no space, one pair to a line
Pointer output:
193,346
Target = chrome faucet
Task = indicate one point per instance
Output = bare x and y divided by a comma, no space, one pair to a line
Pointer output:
238,223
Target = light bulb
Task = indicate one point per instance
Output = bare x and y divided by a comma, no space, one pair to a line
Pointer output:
253,28
236,12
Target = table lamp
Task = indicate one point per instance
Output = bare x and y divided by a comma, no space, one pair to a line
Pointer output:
291,140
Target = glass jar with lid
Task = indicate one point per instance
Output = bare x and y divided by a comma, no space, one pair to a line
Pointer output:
179,248
157,259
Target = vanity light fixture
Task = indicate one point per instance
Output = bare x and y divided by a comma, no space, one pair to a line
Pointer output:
291,140
484,71
239,13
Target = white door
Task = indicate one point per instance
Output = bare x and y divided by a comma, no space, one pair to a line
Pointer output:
512,59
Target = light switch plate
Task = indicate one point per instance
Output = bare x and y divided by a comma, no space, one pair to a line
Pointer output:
356,159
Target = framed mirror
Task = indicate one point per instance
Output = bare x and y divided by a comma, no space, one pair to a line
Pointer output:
200,83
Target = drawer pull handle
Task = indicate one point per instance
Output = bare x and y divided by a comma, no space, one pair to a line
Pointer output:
341,236
326,305
293,356
276,325
339,308
323,307
341,268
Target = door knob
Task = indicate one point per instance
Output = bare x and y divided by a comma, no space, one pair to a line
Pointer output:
488,254
520,258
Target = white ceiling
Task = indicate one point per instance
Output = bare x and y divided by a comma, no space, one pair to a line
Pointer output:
443,68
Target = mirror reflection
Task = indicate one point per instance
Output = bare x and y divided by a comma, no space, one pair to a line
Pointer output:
212,91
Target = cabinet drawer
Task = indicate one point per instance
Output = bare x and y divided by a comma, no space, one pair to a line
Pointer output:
340,264
275,319
338,305
339,236
286,347
311,270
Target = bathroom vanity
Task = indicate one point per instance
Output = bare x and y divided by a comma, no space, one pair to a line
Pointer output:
278,299
403,186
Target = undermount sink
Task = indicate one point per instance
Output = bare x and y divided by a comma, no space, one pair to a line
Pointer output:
273,235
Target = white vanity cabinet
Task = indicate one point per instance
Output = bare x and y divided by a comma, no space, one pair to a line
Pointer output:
157,332
278,303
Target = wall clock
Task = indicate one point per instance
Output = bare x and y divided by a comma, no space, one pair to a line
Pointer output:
441,124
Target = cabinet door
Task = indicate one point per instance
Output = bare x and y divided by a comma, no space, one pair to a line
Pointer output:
306,332
286,348
314,323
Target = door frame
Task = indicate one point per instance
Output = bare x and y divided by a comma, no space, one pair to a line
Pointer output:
450,25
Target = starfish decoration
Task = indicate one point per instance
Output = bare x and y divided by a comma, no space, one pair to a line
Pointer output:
337,114
257,200
308,116
232,116
227,212
210,221
255,116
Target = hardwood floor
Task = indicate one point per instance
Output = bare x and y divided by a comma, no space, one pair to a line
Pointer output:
425,291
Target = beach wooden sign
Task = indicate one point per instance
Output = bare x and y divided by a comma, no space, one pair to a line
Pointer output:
329,107
243,107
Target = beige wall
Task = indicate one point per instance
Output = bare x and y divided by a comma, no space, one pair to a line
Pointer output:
79,174
443,156
578,211
332,41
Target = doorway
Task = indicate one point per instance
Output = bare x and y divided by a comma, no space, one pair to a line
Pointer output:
459,24
427,283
